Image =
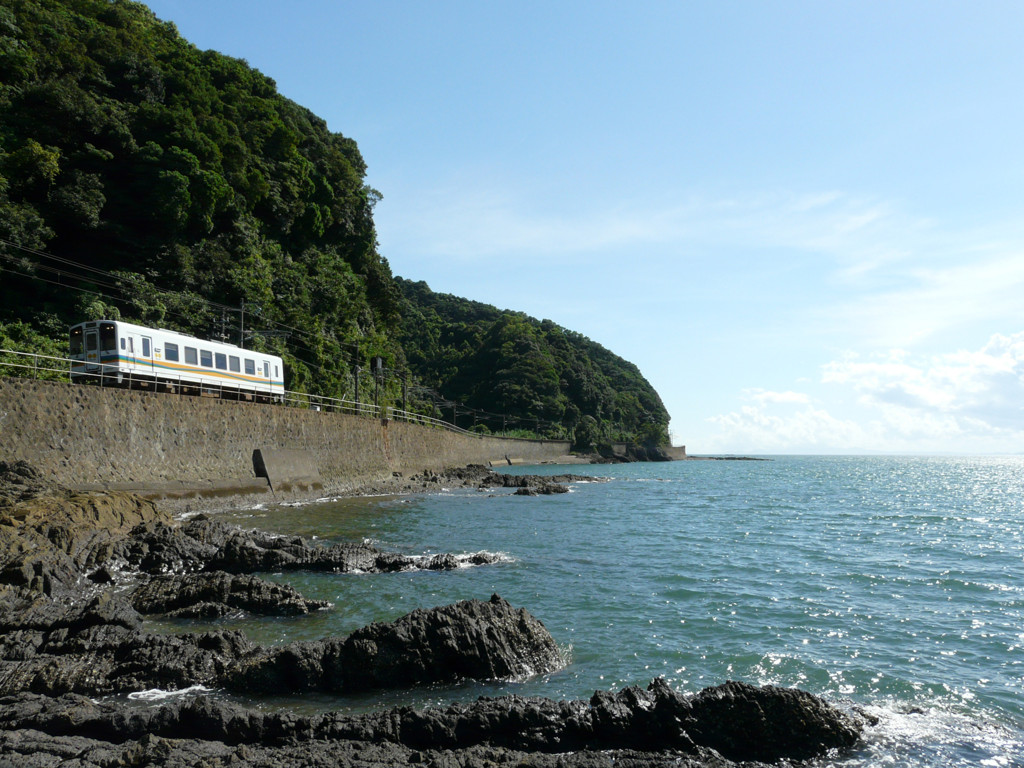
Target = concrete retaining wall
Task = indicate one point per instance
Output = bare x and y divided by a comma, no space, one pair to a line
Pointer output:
82,435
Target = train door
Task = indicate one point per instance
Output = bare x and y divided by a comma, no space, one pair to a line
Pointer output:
92,350
145,362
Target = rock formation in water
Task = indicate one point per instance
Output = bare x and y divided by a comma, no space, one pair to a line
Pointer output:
54,646
66,634
49,541
718,727
468,640
214,594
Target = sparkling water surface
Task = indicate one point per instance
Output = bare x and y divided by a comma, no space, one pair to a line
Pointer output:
889,583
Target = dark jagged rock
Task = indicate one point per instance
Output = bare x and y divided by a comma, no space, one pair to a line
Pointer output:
61,634
479,476
55,646
474,639
48,543
207,544
652,727
19,481
547,489
744,722
213,594
468,640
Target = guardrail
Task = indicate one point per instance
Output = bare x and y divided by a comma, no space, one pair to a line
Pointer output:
47,367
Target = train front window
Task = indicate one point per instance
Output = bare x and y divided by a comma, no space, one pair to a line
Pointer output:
90,342
108,336
76,341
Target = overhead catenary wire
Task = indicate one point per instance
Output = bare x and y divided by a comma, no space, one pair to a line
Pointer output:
118,286
116,283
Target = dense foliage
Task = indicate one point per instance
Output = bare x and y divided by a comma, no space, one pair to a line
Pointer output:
145,179
505,366
125,148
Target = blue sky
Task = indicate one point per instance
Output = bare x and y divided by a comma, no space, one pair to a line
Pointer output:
801,220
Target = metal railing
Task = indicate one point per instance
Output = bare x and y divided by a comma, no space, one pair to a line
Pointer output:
28,365
47,367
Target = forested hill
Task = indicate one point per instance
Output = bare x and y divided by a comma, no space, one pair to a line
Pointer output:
189,185
143,178
507,364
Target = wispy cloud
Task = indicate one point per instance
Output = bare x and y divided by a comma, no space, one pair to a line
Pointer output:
932,300
764,396
469,220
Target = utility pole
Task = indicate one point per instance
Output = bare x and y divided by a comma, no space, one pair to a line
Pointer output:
241,331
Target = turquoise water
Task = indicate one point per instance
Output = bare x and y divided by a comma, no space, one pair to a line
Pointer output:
896,584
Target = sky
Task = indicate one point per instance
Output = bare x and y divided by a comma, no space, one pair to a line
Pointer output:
801,220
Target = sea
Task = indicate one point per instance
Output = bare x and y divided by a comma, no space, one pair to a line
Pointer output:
892,584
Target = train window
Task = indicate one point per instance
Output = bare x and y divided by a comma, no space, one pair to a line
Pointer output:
170,351
76,341
131,345
90,342
233,364
222,361
190,356
122,343
250,367
275,371
108,336
266,370
206,358
145,347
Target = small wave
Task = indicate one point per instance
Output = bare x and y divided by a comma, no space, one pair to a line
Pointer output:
308,502
159,694
934,735
466,559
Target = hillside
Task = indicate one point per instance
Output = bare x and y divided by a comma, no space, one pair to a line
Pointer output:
187,185
145,179
508,366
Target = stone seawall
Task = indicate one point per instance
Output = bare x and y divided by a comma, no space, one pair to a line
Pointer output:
83,435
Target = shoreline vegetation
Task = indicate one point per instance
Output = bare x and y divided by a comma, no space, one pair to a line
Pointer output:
81,573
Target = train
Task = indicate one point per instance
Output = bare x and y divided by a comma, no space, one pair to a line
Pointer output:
116,353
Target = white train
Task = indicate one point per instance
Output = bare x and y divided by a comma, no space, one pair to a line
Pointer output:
112,352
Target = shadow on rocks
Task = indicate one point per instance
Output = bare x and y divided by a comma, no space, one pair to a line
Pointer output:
652,727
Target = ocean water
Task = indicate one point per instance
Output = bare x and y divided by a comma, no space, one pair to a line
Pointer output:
893,584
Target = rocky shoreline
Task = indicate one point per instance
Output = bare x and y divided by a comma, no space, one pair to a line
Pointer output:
79,574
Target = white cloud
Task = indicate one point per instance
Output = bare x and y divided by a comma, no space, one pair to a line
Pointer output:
756,429
981,391
963,401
